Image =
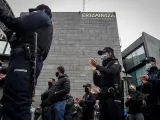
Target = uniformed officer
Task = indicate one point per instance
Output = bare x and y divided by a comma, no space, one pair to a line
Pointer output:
151,87
20,82
87,103
107,77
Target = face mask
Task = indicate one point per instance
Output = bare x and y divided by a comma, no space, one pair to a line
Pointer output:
148,66
49,84
86,90
104,57
57,74
131,90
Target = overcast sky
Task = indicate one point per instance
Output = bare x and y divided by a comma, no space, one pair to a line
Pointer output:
133,16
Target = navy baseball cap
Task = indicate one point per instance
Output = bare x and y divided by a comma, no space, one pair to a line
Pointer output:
106,49
87,85
41,7
149,59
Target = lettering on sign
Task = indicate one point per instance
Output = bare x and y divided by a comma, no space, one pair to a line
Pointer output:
102,15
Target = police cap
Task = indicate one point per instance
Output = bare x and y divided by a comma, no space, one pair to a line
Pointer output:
87,85
149,59
106,49
41,7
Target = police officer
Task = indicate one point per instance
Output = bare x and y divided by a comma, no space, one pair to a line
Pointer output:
19,85
151,88
107,77
87,103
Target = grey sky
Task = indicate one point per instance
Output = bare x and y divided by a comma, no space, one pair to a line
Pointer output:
133,16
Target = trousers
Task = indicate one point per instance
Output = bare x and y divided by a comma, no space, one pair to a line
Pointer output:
59,110
110,110
138,116
88,113
17,93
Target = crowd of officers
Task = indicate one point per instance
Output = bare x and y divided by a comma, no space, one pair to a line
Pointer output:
30,38
58,104
143,101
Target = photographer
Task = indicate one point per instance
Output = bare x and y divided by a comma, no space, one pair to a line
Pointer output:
107,78
26,59
87,103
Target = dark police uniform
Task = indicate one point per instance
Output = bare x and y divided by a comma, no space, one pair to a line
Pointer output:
152,89
107,79
88,104
19,83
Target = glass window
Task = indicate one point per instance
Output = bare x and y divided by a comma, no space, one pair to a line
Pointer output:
139,72
134,79
2,46
129,62
136,76
135,58
138,55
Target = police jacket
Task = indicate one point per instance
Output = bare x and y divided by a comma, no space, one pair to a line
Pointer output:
154,76
25,26
135,103
152,88
109,73
89,101
61,89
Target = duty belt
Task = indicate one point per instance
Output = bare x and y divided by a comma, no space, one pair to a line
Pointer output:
21,50
107,89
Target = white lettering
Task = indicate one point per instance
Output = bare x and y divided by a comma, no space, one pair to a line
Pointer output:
20,70
93,15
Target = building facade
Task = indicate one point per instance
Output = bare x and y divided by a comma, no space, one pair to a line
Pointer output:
132,56
76,38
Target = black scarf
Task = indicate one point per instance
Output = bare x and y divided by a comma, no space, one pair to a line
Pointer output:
105,62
